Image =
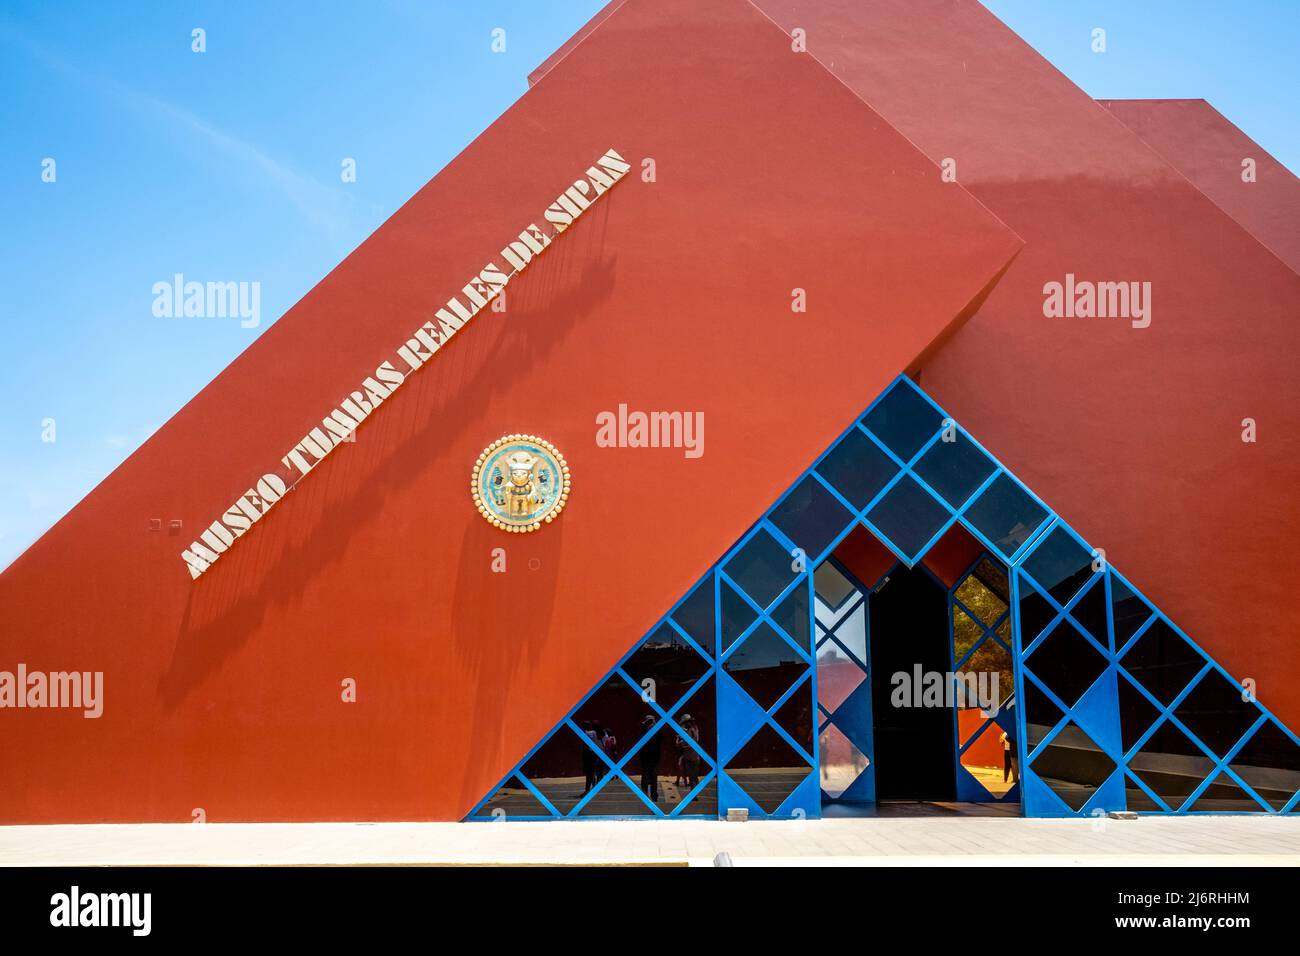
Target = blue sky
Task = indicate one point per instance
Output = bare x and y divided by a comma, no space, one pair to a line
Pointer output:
225,165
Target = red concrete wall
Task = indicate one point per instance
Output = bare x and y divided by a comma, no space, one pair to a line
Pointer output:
1134,436
224,693
1203,145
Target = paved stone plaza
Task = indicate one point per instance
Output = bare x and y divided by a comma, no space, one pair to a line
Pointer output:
956,840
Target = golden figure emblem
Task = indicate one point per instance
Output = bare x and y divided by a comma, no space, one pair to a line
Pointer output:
520,482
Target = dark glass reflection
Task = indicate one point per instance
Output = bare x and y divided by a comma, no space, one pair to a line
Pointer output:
695,615
704,803
1270,763
1005,514
564,768
1224,795
1138,800
796,717
1035,613
1216,713
1066,663
512,800
665,667
615,799
1073,766
1171,765
1041,715
811,517
765,665
1136,713
611,718
698,717
1128,611
736,614
857,468
768,769
652,762
1162,661
955,469
794,617
1091,611
1060,565
762,568
903,420
908,516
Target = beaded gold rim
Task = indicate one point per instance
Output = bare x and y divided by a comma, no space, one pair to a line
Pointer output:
551,515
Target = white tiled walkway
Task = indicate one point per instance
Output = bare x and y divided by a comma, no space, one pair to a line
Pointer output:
998,841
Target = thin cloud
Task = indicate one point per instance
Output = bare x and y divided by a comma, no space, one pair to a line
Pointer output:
325,207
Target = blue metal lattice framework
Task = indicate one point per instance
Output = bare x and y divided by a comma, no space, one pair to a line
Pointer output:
1115,706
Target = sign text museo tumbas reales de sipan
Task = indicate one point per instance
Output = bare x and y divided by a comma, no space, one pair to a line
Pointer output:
341,421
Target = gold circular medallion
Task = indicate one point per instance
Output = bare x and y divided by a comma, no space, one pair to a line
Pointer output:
520,483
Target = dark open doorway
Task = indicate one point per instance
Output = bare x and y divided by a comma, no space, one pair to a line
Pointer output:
909,639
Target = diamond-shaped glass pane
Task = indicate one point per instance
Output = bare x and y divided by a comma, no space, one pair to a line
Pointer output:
903,420
704,803
795,716
1066,662
811,517
564,768
695,615
857,468
987,677
993,575
665,666
1270,762
852,630
512,800
768,769
966,633
838,675
908,516
1162,661
1035,613
1005,514
1091,611
736,614
1216,712
654,764
698,719
1073,766
765,665
762,568
1041,715
831,586
1128,611
841,762
792,616
1060,565
1225,795
614,712
955,468
980,600
1136,713
615,799
1171,765
990,755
